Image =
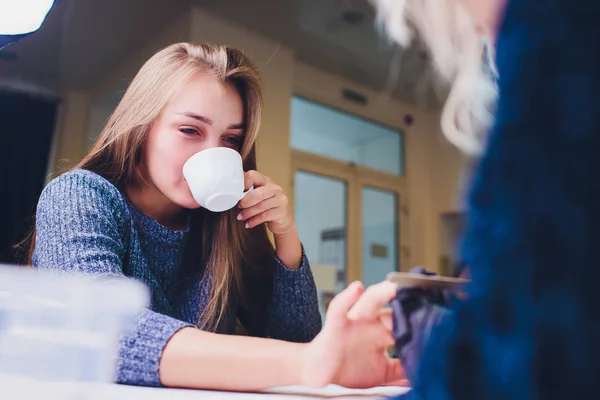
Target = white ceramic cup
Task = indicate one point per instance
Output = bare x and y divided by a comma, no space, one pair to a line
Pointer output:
215,177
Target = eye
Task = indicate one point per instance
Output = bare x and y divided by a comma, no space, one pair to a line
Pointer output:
234,140
189,131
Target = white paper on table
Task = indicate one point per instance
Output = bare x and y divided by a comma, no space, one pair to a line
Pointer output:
331,392
17,388
338,392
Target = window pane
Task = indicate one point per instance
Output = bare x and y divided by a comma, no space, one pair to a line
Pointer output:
379,234
320,213
331,133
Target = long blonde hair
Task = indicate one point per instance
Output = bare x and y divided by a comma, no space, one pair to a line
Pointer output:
458,54
235,258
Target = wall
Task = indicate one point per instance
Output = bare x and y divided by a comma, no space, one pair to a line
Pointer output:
74,118
101,111
99,114
450,170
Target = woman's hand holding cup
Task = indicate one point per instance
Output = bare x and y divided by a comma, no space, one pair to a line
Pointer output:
266,203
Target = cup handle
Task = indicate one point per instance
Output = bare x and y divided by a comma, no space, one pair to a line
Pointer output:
247,191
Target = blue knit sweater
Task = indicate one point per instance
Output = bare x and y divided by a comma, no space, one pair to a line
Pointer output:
530,329
84,223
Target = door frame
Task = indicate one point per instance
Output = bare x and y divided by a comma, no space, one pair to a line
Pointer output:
356,177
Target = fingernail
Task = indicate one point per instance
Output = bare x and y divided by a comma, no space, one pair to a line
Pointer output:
354,285
239,217
247,225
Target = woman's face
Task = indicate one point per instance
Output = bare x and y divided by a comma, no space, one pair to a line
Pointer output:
204,113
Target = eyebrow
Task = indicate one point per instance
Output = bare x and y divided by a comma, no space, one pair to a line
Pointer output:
208,121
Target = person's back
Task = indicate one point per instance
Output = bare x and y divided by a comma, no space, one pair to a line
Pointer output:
530,328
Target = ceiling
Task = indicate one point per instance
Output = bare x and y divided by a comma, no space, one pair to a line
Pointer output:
321,35
82,38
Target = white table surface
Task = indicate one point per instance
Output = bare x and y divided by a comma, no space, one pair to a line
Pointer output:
12,388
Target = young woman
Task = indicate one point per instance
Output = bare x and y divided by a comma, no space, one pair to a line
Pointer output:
127,210
530,327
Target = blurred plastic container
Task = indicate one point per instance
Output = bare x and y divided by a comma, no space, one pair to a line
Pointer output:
64,327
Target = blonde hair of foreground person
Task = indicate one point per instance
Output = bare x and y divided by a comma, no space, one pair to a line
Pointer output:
349,350
458,50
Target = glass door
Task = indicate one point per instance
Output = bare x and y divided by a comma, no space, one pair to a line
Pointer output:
380,228
320,208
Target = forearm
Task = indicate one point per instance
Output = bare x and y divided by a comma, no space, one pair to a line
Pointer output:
289,249
205,360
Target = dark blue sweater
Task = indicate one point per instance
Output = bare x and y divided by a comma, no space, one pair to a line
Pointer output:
531,328
84,223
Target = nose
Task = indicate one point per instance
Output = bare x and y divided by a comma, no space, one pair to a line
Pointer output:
211,142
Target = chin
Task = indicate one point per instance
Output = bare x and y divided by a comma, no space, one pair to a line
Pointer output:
187,201
182,196
190,204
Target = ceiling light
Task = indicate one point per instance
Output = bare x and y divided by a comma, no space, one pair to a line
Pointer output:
22,16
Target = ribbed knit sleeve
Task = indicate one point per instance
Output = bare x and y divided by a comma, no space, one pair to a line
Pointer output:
82,225
294,313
